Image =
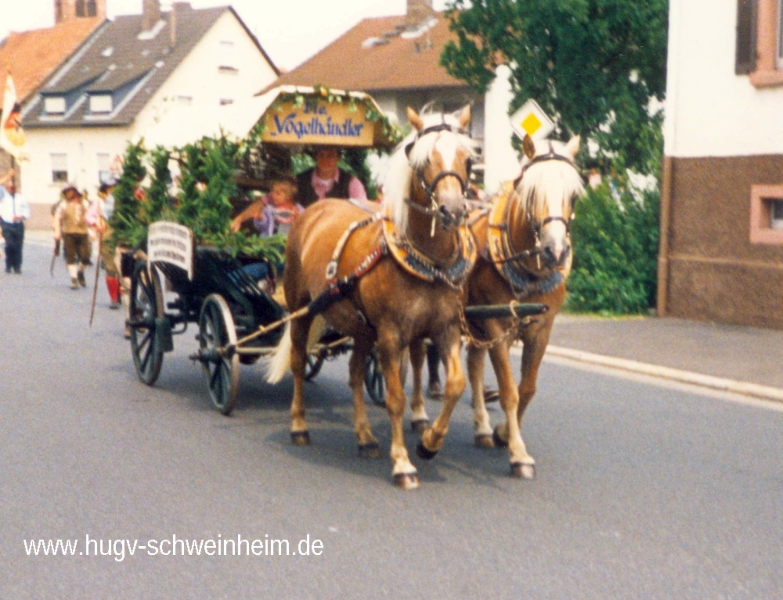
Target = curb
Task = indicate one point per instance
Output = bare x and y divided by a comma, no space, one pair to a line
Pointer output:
717,383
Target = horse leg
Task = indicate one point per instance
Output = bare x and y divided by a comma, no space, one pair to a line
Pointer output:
482,430
368,445
403,471
300,436
432,439
522,464
419,419
535,344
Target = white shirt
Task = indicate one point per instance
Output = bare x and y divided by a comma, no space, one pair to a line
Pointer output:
12,206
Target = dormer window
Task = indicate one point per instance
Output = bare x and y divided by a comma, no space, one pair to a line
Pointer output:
54,105
86,8
101,103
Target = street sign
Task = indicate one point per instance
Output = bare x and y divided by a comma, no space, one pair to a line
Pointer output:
530,119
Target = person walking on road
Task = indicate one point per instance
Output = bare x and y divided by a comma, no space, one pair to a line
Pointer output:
14,209
97,217
70,225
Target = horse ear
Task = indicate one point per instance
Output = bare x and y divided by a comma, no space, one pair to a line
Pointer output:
572,147
464,117
528,146
415,119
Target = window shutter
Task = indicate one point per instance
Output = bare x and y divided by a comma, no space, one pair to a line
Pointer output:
746,37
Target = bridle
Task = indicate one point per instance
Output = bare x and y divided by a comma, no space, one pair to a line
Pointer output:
538,226
434,210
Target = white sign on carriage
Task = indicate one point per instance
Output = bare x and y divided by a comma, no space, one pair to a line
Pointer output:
171,243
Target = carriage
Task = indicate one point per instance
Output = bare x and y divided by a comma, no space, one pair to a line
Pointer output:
239,321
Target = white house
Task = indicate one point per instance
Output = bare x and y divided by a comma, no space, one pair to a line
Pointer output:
721,252
130,74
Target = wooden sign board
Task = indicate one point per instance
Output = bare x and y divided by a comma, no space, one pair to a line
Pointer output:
319,122
170,243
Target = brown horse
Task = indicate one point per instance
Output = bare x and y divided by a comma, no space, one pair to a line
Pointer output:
408,264
524,256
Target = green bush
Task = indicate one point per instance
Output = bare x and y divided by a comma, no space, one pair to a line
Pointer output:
615,244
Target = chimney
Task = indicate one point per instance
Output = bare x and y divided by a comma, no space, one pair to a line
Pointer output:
417,12
150,14
177,8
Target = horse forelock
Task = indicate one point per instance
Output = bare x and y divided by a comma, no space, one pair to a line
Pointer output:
548,188
402,165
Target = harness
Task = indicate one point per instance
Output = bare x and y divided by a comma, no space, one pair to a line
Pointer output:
523,280
399,245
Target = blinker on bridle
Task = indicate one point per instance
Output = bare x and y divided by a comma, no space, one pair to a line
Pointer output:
445,218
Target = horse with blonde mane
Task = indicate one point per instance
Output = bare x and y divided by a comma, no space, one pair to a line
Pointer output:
524,248
392,277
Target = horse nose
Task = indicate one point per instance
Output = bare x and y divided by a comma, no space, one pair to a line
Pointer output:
450,218
553,254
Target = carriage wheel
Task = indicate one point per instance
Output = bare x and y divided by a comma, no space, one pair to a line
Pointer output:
221,371
373,380
146,304
315,361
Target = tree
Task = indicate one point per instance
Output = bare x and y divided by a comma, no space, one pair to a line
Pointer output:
590,64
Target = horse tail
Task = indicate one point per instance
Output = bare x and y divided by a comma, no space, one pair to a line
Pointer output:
280,361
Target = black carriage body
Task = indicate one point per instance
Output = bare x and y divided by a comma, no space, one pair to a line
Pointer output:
216,272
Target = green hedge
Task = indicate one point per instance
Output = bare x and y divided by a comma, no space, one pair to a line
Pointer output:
615,244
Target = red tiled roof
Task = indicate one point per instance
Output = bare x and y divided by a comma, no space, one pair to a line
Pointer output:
399,64
31,56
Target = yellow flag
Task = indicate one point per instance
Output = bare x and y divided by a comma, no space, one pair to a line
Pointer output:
12,138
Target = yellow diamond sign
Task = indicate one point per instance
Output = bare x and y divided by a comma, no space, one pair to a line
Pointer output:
531,120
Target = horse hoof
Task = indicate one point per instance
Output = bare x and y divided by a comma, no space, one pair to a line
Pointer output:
420,425
371,450
523,471
423,453
406,481
499,442
300,438
483,440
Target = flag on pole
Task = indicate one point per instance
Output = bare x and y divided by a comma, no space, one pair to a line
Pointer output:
12,138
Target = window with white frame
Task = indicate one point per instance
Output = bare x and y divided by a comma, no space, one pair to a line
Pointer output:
54,105
104,167
101,104
59,162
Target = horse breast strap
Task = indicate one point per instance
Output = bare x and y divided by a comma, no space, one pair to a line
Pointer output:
524,281
417,264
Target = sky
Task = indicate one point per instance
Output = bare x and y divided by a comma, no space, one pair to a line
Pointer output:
290,31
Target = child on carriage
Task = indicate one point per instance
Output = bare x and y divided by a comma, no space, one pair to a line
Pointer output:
274,213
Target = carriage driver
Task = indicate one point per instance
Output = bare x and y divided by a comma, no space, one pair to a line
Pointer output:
327,180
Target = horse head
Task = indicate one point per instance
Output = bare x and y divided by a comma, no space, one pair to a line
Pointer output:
431,169
548,187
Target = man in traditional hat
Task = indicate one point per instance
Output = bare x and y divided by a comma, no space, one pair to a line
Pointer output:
70,225
327,180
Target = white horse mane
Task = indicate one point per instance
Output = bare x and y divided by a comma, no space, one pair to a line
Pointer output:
549,186
396,187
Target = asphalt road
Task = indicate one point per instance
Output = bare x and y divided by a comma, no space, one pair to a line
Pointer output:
644,490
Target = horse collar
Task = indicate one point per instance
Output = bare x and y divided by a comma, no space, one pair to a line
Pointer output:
421,266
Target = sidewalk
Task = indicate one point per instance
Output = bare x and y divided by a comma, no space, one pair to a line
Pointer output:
745,360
